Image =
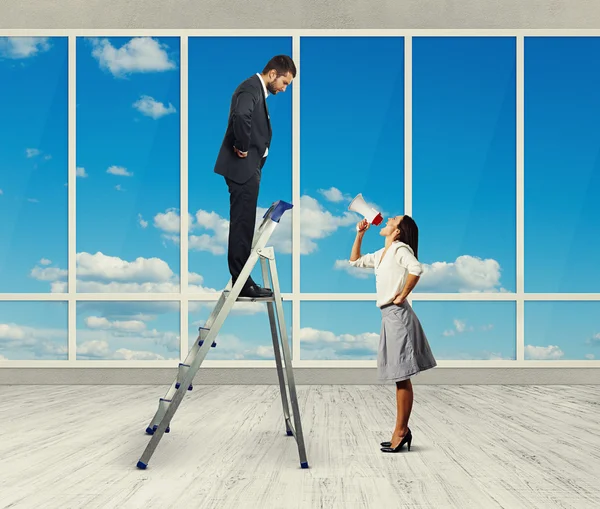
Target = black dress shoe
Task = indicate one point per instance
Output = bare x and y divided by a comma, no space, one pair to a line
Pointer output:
256,292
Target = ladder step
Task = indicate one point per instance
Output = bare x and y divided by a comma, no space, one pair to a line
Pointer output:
180,374
253,299
201,342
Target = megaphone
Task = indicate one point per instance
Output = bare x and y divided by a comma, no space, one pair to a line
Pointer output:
359,205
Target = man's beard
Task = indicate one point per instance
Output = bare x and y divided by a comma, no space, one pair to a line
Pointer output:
271,88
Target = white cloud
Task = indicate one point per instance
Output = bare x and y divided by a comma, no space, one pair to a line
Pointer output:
1,192
47,157
140,54
168,221
543,352
119,188
101,350
2,358
321,344
230,347
32,152
33,200
143,223
119,170
209,231
152,108
45,261
121,331
102,267
590,356
48,273
460,326
100,273
333,194
81,172
466,274
42,343
479,356
357,272
317,223
23,47
100,322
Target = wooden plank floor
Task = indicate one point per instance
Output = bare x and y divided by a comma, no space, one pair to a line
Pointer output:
474,447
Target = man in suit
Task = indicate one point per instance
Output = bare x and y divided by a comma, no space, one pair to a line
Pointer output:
242,156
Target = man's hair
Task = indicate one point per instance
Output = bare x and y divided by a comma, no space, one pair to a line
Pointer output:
282,65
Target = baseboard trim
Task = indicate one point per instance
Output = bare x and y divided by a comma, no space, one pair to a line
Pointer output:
302,376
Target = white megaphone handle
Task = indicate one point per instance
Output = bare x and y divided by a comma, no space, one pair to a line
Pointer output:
359,205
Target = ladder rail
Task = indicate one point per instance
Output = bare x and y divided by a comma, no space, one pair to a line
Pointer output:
298,433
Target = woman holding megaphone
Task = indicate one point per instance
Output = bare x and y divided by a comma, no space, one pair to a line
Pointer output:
403,347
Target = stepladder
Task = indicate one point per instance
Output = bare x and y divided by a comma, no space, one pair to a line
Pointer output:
207,335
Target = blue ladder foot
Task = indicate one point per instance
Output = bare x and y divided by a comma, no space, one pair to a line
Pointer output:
141,465
201,342
290,433
304,464
177,385
149,430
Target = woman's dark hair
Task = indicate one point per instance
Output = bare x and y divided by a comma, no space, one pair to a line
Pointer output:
409,234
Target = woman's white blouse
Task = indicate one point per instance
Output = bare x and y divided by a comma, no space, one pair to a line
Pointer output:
391,272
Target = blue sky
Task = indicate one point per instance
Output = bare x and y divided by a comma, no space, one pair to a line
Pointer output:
128,148
562,164
464,128
352,141
564,330
33,160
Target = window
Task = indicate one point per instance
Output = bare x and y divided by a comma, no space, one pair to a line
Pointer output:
33,164
562,330
464,162
351,142
469,330
128,331
245,335
217,65
33,330
562,169
339,330
128,175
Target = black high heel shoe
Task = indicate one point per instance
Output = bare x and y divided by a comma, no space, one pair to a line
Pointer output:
389,444
407,439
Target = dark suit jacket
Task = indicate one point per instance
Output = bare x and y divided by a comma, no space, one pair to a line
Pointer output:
248,129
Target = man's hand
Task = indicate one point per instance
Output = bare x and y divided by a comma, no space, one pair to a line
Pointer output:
240,153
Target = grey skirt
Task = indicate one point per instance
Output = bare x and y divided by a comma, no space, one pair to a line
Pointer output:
403,347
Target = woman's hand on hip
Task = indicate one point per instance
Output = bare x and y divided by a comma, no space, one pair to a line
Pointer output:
399,300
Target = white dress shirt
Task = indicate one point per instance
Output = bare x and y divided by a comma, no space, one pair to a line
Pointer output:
266,95
391,272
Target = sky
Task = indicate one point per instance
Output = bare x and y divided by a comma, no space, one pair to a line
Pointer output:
562,165
351,141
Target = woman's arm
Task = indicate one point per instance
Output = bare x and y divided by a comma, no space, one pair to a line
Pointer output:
405,258
355,253
411,282
356,259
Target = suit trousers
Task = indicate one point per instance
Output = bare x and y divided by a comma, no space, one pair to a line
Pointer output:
243,199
